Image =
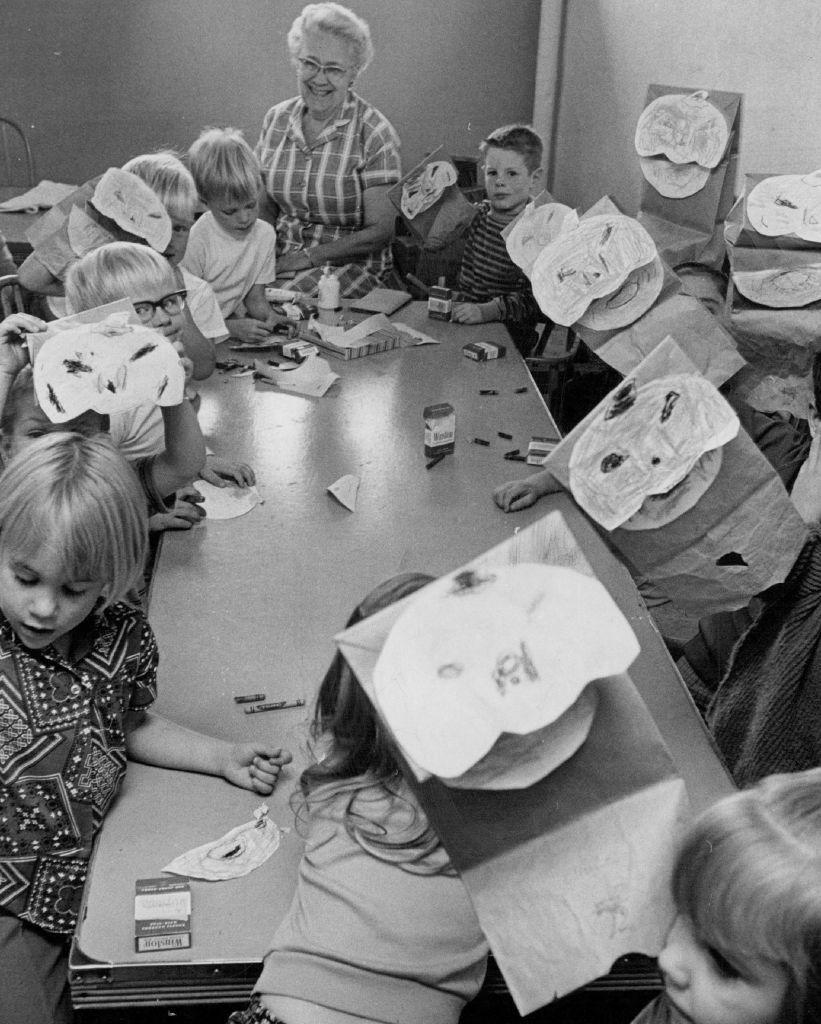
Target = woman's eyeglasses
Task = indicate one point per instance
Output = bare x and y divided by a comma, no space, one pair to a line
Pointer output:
309,68
171,304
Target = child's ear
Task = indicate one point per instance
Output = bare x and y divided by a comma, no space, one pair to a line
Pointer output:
536,181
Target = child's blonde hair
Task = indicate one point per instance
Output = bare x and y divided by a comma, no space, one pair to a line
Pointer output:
749,878
224,166
78,496
167,176
118,270
338,21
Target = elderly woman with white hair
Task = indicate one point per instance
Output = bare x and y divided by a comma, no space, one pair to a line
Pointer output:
328,159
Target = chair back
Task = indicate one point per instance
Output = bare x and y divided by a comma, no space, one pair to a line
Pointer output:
11,296
16,160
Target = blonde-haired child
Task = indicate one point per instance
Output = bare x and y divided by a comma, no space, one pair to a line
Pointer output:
746,945
78,674
229,247
171,181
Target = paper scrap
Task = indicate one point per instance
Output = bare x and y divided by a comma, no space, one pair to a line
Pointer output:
227,502
415,337
686,129
44,195
235,854
345,490
311,378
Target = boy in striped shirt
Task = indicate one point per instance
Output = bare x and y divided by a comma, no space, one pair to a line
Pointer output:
490,285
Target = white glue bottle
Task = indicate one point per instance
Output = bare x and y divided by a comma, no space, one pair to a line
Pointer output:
328,301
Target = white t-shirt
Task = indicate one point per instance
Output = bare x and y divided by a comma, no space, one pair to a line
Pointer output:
232,266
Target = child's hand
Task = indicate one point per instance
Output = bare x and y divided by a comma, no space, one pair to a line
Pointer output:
220,472
250,331
516,495
466,313
14,354
254,766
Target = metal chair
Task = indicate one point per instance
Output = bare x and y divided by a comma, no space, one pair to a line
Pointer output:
11,296
16,160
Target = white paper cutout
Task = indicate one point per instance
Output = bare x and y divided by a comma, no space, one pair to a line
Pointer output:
97,315
630,301
787,288
587,263
312,378
686,129
675,181
644,441
345,490
227,502
109,366
787,204
536,227
133,206
235,854
482,653
421,192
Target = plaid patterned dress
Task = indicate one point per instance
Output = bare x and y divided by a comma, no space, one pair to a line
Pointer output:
318,190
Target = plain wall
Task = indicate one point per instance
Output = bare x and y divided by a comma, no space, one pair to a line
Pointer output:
769,50
95,83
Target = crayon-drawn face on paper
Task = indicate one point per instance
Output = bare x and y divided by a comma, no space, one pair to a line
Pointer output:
686,129
587,263
628,302
492,652
644,453
422,191
674,181
787,204
781,289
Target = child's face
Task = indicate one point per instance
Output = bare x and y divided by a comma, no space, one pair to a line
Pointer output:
706,987
30,422
170,325
508,182
180,230
233,217
42,602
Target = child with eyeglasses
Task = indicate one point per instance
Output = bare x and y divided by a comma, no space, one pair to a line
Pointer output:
229,247
745,947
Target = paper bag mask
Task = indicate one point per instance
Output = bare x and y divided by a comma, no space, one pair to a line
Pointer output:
685,129
430,201
109,366
739,536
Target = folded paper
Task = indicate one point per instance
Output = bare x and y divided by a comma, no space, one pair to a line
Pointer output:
109,366
345,490
311,378
235,854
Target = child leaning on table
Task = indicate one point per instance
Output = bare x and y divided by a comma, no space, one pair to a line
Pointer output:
229,247
381,927
491,287
78,674
745,947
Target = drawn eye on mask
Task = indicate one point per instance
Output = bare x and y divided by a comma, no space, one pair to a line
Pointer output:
651,452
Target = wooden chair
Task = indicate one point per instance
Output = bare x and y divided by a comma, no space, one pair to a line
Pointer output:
16,160
12,299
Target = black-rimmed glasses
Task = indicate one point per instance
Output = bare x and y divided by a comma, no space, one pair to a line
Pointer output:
171,304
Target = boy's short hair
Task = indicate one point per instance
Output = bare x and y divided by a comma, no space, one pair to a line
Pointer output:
519,138
224,166
338,21
118,270
79,497
167,176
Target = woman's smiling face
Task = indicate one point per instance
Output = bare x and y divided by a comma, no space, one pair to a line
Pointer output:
325,72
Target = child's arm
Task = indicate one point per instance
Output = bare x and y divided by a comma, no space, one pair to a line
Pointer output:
256,327
184,454
198,348
38,278
151,739
518,494
258,306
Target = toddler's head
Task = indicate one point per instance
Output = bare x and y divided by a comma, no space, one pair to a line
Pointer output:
513,167
228,178
123,270
170,179
72,535
746,945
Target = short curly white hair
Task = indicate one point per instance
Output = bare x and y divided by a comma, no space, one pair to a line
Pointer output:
340,22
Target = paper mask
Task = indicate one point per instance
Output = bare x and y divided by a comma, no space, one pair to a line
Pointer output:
421,192
133,206
630,301
480,654
644,442
785,288
587,263
686,129
109,366
787,204
237,853
536,227
675,181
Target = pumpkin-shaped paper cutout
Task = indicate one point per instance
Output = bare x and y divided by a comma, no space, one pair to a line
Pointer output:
422,191
684,128
674,181
787,204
